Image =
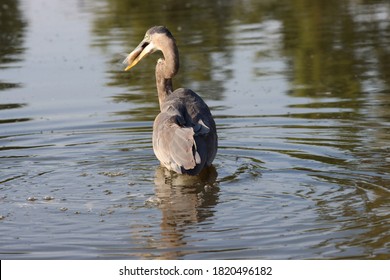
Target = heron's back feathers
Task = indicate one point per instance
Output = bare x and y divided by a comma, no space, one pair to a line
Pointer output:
184,134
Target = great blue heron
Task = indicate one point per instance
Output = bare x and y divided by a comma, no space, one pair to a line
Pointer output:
184,133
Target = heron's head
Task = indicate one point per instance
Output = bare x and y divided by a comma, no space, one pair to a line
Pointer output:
154,40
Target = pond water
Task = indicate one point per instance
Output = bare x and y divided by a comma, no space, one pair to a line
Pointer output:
300,91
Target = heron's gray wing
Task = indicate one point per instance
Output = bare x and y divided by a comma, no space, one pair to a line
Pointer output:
177,147
183,147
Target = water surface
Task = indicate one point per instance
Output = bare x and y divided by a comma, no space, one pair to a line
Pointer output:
300,92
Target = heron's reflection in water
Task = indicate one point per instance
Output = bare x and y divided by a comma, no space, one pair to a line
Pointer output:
184,200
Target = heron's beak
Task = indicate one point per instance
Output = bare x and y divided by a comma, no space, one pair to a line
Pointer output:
142,50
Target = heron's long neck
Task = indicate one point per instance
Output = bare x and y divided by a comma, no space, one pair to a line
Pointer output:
166,69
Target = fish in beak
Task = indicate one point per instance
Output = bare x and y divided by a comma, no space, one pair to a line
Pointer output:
142,50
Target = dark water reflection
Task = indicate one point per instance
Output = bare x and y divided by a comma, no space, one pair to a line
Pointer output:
12,26
184,201
301,96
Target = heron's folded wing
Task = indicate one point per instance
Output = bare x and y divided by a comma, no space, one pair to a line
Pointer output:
183,147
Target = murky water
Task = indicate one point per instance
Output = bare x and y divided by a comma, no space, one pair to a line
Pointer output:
300,91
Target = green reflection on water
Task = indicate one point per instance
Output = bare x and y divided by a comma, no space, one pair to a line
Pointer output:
332,47
12,28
